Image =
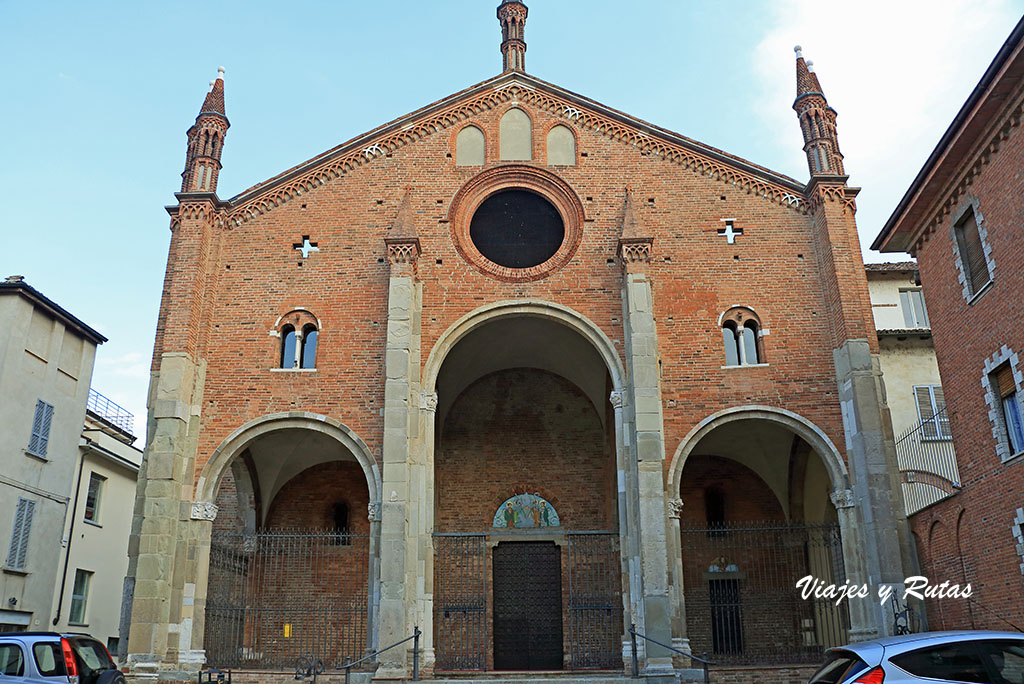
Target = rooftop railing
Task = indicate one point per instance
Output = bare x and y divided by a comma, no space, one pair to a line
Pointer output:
111,412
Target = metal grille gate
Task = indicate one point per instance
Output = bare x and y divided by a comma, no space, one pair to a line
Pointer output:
592,601
742,604
276,594
460,601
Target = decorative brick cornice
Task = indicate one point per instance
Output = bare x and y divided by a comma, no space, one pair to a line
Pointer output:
636,251
820,193
402,250
535,93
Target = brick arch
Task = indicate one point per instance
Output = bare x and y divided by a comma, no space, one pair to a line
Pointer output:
235,443
808,431
557,313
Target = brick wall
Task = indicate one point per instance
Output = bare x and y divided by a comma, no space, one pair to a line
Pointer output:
976,524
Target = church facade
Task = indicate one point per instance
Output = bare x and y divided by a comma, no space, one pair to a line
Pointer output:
519,371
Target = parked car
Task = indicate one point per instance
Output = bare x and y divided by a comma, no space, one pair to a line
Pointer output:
935,657
52,658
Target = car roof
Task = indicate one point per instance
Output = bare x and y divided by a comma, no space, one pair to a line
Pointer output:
56,635
874,648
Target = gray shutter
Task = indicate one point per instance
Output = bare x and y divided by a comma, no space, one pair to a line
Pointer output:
908,309
926,411
942,416
44,435
17,555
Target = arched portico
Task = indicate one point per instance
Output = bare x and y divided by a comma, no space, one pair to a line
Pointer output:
280,470
502,338
810,487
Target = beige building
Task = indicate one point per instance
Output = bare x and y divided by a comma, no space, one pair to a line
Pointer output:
46,362
94,563
924,446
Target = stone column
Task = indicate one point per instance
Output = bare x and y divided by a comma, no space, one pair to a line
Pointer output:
680,637
399,584
862,619
646,437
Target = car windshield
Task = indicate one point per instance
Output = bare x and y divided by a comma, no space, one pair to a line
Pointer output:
838,668
986,661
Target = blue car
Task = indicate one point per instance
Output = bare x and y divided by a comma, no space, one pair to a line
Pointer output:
53,658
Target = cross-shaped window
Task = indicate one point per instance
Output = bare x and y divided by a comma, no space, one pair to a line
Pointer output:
730,231
306,246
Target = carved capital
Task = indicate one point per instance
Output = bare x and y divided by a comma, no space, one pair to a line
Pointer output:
636,251
373,510
403,250
675,508
842,498
617,398
428,401
204,510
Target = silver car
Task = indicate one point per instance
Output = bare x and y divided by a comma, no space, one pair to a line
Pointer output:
52,658
935,657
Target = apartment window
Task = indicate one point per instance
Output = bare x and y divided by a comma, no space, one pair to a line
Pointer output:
1006,392
307,358
79,596
92,497
972,252
914,313
931,411
40,438
17,554
288,347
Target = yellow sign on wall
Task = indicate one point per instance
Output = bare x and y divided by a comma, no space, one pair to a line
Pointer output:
287,630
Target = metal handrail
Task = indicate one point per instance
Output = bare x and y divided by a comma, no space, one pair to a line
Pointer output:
415,655
636,665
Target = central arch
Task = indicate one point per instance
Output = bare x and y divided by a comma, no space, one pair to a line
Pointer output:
521,389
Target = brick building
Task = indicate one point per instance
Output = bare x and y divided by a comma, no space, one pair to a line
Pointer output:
961,218
580,371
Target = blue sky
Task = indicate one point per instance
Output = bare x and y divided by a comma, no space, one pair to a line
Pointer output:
100,95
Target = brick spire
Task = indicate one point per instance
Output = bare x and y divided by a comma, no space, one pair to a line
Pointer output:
635,241
206,141
403,242
512,15
817,121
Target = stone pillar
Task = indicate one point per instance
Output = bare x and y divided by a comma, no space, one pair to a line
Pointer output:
424,457
646,440
400,585
680,636
157,549
874,471
862,619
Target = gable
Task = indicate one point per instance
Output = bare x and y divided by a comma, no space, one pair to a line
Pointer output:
501,91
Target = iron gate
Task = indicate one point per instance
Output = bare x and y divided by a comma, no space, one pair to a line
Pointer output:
277,594
591,601
460,601
595,601
742,604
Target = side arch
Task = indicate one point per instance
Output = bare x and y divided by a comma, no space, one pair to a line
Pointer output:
808,431
235,443
538,308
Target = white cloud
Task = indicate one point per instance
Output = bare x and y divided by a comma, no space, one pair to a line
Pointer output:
896,73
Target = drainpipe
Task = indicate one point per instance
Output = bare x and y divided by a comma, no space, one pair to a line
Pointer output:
71,536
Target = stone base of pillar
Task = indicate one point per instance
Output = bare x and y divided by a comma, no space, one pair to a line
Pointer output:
391,674
864,634
658,667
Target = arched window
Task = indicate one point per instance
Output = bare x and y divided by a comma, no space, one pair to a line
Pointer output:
469,147
288,340
308,355
515,136
561,147
741,337
340,522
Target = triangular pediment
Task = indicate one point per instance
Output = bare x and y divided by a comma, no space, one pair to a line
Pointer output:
527,90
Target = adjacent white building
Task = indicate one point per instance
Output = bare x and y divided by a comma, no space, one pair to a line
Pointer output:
67,473
924,446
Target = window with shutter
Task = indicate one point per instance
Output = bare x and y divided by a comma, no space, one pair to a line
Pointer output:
17,554
972,252
914,314
931,410
40,438
1006,390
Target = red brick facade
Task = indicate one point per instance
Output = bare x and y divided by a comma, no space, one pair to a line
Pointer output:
975,536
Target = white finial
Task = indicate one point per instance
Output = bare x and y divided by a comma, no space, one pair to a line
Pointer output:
220,73
799,51
211,86
810,66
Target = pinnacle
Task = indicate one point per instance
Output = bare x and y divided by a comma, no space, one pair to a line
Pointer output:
214,101
631,223
405,224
